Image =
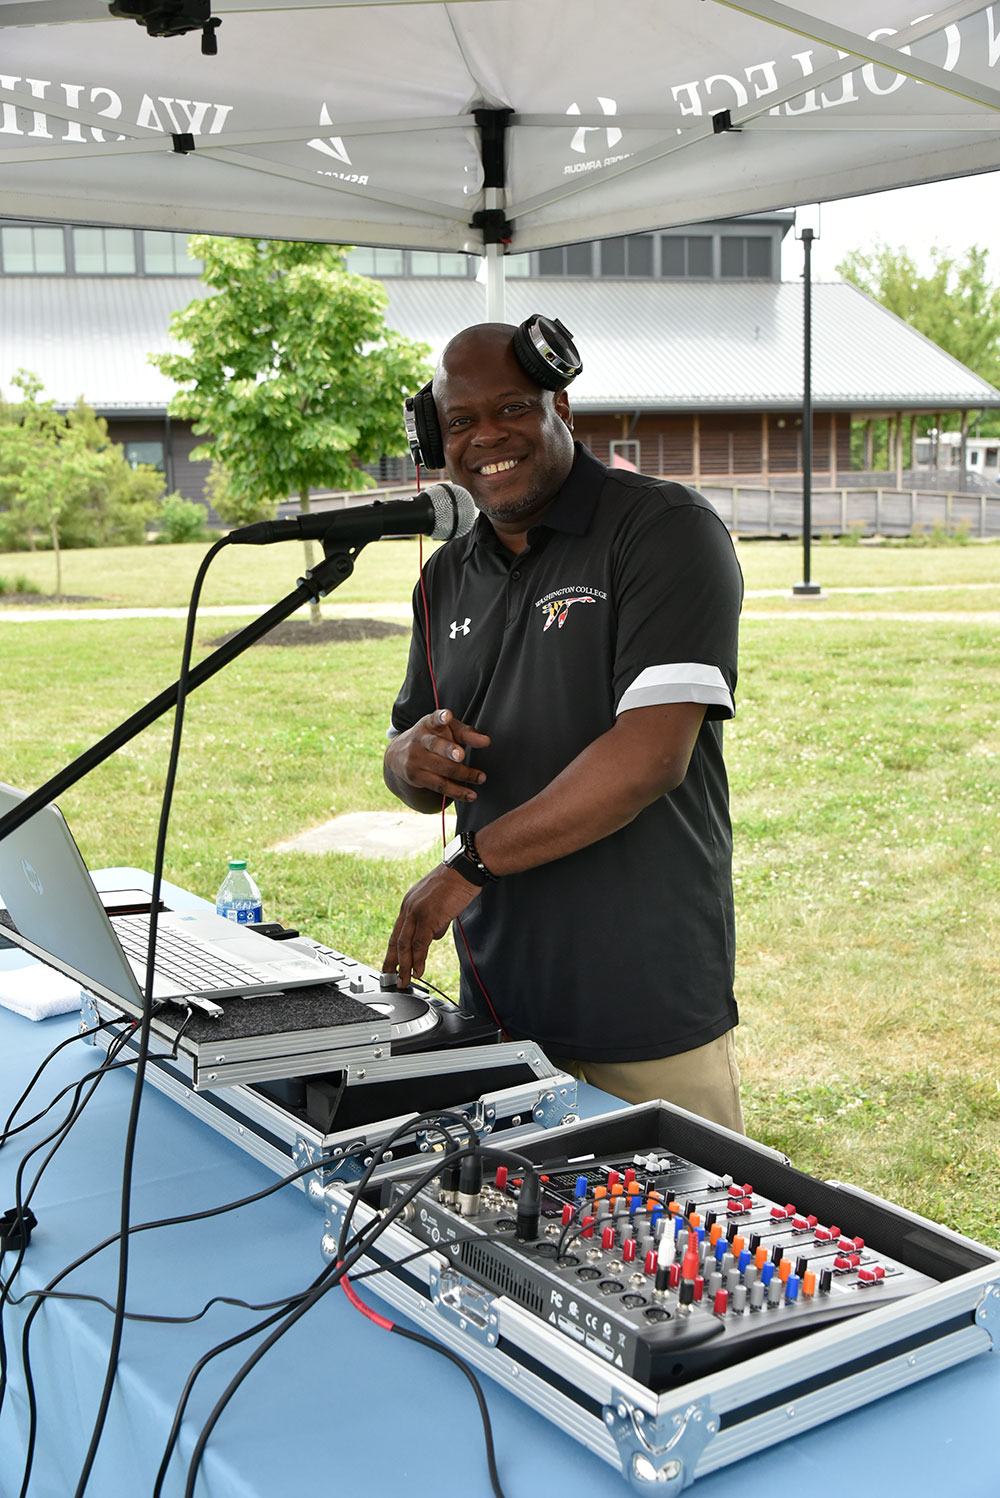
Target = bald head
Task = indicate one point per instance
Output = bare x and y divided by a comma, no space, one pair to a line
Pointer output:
484,341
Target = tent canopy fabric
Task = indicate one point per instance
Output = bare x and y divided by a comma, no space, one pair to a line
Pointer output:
371,123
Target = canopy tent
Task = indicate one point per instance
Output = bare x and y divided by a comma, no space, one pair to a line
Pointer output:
504,125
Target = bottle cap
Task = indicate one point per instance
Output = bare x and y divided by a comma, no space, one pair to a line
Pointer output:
237,863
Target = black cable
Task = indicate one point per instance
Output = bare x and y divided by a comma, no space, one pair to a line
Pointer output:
484,1414
202,1363
6,1132
329,1277
349,1252
22,1202
189,1016
147,1014
28,1123
108,1242
59,1134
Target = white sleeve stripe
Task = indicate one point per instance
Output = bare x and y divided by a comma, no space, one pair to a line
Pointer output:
392,732
686,682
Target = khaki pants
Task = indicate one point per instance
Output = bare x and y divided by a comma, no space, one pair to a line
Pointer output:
706,1080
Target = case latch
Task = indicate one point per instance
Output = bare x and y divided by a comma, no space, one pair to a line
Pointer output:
662,1451
555,1106
988,1312
466,1305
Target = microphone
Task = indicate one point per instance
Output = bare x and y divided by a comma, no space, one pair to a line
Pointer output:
442,512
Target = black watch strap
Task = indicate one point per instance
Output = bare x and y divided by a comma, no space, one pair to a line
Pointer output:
461,855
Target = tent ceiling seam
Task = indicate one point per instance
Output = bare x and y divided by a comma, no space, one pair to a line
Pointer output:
393,200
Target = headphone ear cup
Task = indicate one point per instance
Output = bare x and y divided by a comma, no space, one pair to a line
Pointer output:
546,352
423,430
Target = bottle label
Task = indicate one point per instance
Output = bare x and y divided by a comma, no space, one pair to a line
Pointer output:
242,912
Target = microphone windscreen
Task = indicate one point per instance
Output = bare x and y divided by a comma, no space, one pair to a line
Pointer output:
454,511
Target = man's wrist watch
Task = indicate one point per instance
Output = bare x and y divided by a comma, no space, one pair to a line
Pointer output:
461,855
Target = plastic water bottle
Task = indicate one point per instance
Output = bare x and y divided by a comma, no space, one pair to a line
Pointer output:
238,898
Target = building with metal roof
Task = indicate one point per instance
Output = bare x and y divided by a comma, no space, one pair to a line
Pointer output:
692,347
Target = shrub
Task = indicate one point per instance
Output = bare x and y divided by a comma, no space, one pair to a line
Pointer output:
181,520
231,506
20,584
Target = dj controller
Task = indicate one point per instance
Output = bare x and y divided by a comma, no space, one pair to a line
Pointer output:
660,1267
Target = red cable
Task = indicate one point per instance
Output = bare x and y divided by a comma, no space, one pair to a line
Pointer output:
359,1305
444,799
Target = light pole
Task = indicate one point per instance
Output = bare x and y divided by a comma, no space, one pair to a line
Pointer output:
807,232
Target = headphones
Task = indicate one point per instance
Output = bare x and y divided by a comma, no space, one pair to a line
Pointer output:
545,351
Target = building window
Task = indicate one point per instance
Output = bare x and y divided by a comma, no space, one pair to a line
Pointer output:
515,266
438,263
165,254
990,458
745,257
631,255
685,255
144,452
368,262
567,260
624,454
31,251
104,252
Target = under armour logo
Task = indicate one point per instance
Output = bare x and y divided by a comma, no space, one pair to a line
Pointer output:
579,141
459,629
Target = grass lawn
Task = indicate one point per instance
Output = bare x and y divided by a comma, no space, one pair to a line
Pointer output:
864,769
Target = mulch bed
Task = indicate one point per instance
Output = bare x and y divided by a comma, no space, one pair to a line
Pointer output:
327,632
30,599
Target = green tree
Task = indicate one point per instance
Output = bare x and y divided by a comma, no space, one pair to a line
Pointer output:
230,505
109,502
956,305
34,447
61,475
292,373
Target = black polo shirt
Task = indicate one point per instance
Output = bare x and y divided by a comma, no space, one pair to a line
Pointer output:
628,594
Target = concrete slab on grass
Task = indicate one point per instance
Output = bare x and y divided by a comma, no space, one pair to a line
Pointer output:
374,834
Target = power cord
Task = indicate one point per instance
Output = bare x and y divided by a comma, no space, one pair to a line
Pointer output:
7,1132
147,1013
348,1252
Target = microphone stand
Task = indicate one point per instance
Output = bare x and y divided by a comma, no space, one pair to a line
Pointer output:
336,568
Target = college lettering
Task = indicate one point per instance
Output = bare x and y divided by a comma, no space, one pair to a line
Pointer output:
176,116
566,591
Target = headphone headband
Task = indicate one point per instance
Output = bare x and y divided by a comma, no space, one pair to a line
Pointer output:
545,350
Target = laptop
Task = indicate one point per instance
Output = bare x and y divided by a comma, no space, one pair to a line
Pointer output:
61,918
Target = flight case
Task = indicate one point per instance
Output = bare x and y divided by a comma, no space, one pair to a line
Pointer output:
662,1390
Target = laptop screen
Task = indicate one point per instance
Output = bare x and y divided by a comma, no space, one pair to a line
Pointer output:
51,897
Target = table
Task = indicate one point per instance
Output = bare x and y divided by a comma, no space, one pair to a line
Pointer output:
336,1406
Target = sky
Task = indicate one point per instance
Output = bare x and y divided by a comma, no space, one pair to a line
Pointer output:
951,215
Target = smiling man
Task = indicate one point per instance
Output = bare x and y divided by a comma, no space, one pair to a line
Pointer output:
583,639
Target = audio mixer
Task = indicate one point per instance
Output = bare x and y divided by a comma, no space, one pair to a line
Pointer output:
662,1268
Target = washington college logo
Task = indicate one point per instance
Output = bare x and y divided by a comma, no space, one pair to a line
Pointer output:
556,612
555,606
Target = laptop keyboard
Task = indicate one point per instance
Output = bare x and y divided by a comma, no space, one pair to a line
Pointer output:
180,959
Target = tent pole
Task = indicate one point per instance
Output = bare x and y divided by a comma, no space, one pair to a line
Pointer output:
807,587
496,281
491,220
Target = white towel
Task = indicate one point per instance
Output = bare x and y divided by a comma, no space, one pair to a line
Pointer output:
38,991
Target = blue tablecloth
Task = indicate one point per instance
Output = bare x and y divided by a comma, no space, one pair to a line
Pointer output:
338,1406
